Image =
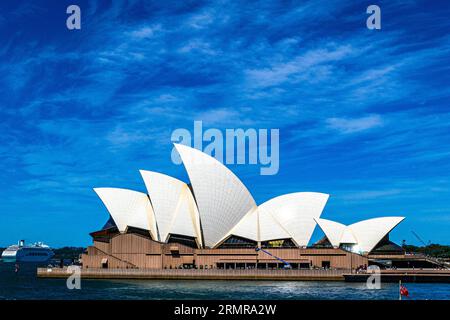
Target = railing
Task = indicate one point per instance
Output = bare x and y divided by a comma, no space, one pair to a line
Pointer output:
407,271
199,274
116,258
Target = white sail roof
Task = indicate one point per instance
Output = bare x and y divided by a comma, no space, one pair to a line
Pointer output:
365,234
333,230
222,199
348,237
248,227
295,213
221,205
173,204
369,232
270,228
259,227
128,208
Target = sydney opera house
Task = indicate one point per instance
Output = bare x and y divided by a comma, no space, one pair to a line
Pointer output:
214,222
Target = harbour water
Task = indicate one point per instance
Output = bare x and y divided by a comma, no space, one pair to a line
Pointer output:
25,285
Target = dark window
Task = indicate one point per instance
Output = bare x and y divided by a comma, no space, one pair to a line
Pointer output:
141,232
304,266
109,224
280,243
184,240
237,242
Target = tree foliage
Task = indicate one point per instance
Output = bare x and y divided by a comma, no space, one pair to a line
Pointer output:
68,252
434,250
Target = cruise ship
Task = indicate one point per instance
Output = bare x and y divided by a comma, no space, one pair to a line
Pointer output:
20,252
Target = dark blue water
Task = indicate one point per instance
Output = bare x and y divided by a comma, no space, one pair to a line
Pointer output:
25,285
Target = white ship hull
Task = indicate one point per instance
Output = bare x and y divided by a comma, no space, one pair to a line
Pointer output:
34,254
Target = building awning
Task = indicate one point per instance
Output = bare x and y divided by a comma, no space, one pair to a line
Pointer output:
104,260
236,261
262,261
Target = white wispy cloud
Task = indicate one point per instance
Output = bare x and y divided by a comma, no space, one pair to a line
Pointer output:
352,195
300,68
145,32
76,108
352,125
202,19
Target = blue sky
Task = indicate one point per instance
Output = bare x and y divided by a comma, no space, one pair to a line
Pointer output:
364,115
